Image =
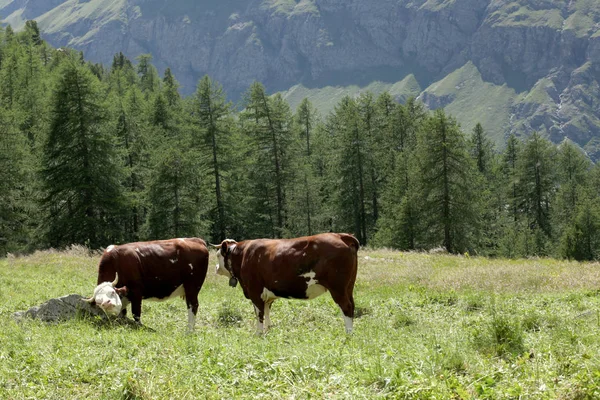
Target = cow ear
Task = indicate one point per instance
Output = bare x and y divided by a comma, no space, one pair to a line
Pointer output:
122,291
224,248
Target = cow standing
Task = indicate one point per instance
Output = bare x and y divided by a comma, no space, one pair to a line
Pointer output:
301,268
156,270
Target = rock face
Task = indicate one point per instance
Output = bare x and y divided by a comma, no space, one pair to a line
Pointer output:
547,51
61,309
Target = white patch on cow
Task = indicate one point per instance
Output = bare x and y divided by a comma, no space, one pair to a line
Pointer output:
173,260
348,322
313,289
310,275
221,270
191,319
191,266
260,329
314,246
182,239
178,292
110,248
267,295
267,313
304,254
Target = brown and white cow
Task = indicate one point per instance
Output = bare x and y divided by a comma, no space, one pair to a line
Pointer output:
301,268
156,270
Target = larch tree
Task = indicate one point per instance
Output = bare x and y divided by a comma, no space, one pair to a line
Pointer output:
267,123
212,116
537,178
450,205
81,177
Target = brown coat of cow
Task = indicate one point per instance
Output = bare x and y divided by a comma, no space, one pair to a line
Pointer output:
156,270
301,268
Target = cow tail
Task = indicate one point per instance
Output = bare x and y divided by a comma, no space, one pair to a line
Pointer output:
350,241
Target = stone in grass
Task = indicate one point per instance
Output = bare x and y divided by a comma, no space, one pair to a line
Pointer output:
65,308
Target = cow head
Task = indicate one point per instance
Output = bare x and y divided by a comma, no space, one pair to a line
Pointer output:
224,255
108,297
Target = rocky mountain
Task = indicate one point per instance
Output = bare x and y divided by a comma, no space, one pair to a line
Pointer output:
515,65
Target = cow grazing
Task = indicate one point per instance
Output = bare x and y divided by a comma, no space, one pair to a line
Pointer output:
302,268
156,270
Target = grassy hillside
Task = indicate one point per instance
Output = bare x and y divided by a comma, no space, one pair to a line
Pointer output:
474,100
428,326
326,98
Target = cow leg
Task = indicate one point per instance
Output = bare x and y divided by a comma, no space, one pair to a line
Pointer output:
259,310
267,313
346,303
136,306
191,299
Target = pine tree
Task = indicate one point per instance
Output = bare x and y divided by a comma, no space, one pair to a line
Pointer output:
32,33
149,81
268,123
131,128
350,191
449,186
177,193
304,192
81,178
512,228
14,182
536,189
481,150
170,89
175,198
122,75
212,116
572,172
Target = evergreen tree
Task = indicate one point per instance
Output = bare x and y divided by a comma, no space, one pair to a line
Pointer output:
512,228
134,146
304,192
481,150
268,122
14,182
32,33
374,152
449,186
81,178
350,193
536,189
175,198
572,172
212,116
122,75
170,87
149,81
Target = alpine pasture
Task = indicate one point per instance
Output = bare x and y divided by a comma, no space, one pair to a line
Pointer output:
428,326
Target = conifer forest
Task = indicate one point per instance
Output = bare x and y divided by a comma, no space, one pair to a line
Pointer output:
98,155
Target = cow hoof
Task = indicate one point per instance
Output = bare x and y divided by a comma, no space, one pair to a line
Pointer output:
233,282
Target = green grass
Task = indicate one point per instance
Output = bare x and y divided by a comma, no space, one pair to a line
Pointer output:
529,13
429,326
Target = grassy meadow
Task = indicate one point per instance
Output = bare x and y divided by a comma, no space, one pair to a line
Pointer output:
428,327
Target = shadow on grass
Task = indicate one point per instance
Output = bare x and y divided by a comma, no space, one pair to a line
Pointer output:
111,323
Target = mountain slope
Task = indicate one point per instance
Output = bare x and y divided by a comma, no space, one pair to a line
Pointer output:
524,65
